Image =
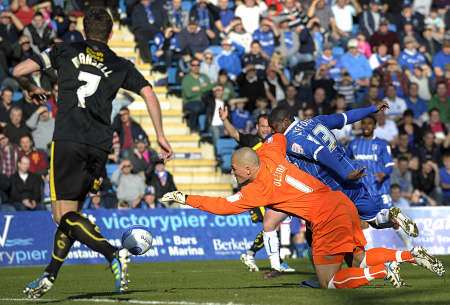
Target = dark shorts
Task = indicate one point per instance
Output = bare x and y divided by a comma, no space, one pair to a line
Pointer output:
75,169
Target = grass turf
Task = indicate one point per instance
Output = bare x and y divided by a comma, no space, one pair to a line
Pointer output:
221,282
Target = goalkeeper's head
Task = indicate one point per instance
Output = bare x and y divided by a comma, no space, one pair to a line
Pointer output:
245,165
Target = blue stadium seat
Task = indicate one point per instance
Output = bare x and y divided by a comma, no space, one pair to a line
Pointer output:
226,163
338,52
111,168
225,146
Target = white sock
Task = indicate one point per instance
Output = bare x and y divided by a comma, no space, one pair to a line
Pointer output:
382,219
272,246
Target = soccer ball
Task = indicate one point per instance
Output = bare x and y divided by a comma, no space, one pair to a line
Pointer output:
137,239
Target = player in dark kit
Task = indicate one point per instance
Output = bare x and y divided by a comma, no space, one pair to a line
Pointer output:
89,76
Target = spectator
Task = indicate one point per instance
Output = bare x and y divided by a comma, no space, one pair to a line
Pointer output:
408,15
386,128
25,51
5,185
149,200
5,106
430,46
26,188
241,118
420,199
409,127
369,19
9,155
343,14
193,86
275,83
429,150
266,35
320,104
147,19
226,15
393,75
42,126
10,27
347,88
401,175
356,64
22,11
237,34
404,147
289,44
380,57
130,187
441,101
214,101
38,158
229,58
177,18
262,108
202,11
421,77
323,12
343,135
396,104
127,129
426,179
141,156
444,177
328,61
72,35
397,199
228,87
372,97
410,56
15,128
162,181
417,105
442,58
291,101
40,34
250,86
209,66
250,12
257,58
193,39
436,126
386,37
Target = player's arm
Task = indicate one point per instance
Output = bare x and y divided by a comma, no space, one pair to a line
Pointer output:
231,130
154,110
387,162
310,150
135,82
338,121
234,204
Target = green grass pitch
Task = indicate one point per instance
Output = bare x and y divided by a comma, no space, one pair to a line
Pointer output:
217,283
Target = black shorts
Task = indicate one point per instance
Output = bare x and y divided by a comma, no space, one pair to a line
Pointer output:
75,169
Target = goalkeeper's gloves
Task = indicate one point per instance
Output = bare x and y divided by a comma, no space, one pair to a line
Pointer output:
176,196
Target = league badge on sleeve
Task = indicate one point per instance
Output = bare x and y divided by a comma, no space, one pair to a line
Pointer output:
297,148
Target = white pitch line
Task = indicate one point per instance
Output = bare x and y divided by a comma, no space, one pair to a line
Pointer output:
118,301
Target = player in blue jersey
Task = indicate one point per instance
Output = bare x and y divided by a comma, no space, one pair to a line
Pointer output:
314,149
375,155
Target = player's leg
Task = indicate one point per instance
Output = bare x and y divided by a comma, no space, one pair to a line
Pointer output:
248,258
272,220
417,255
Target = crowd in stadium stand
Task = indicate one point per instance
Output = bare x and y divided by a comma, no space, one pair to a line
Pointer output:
313,56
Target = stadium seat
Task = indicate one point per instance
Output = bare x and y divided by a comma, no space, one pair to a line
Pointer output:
225,146
226,163
338,52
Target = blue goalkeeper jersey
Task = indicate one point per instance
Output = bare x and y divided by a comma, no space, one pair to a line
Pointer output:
375,155
313,148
